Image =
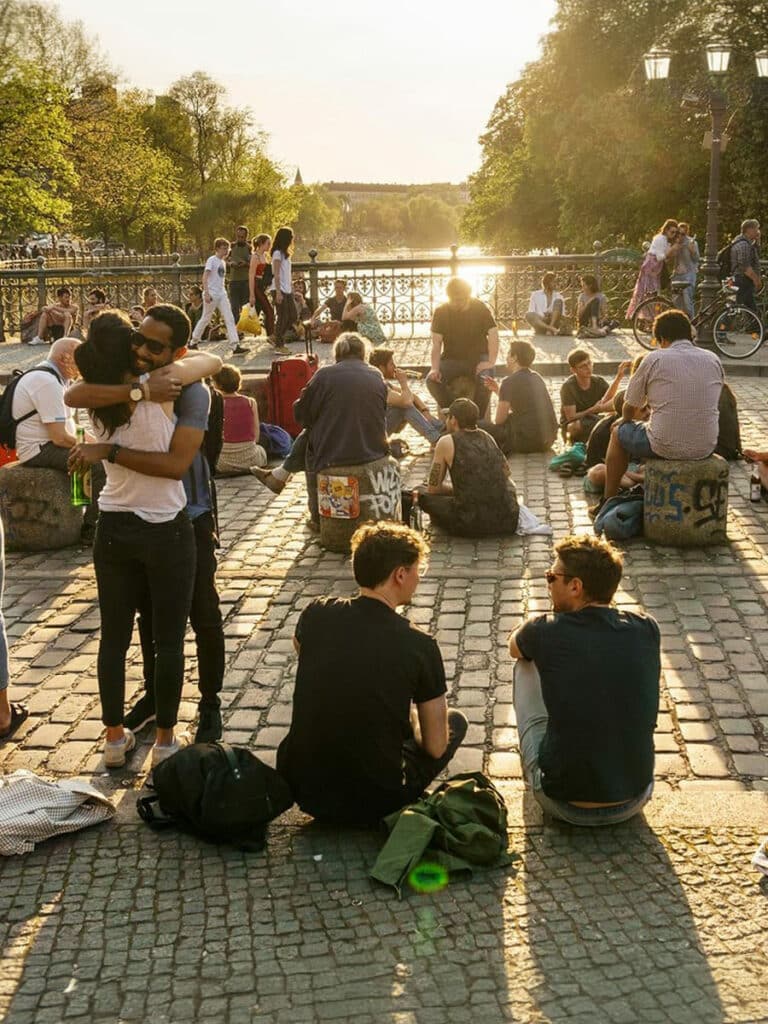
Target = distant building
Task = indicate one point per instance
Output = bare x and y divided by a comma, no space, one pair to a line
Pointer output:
353,193
298,180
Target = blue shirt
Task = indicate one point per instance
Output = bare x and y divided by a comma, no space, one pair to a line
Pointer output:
192,408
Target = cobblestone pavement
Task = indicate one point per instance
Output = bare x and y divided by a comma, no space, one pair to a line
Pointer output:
661,920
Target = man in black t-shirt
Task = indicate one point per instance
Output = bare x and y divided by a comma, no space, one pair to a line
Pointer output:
586,692
465,344
584,396
525,416
356,750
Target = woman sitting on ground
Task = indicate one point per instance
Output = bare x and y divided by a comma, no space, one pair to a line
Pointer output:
592,310
241,450
359,316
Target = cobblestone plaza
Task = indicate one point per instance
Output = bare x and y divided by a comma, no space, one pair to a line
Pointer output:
659,920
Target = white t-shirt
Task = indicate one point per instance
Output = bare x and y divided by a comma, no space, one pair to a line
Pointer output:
42,393
659,246
154,499
217,270
541,303
283,277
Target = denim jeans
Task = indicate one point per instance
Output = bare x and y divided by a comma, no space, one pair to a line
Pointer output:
452,369
131,556
428,426
684,299
4,671
204,617
532,721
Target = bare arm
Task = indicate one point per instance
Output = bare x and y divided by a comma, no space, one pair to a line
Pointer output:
318,312
502,413
433,726
606,402
59,435
256,423
493,351
437,350
172,464
204,284
195,366
351,312
514,650
252,279
441,461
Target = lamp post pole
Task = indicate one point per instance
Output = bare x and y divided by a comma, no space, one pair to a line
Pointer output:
710,283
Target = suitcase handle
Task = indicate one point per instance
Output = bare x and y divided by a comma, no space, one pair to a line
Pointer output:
308,340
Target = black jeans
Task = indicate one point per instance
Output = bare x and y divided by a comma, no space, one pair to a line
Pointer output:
53,456
420,768
238,297
204,617
131,556
745,296
450,370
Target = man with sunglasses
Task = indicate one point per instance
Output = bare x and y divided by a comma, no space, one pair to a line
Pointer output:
160,340
586,692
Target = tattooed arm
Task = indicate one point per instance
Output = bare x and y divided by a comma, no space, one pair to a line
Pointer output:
441,463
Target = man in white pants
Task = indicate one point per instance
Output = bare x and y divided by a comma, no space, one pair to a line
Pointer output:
215,297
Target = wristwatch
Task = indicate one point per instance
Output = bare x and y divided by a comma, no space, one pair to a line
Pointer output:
113,453
137,392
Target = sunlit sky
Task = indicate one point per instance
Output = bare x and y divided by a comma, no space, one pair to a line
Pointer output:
392,91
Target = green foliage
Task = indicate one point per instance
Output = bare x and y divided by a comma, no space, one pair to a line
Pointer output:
581,147
317,214
35,171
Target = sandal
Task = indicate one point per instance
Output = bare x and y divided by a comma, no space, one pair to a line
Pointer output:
19,714
565,471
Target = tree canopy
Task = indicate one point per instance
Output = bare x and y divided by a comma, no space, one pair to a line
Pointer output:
582,148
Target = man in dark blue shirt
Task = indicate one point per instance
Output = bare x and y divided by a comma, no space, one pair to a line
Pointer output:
185,460
586,692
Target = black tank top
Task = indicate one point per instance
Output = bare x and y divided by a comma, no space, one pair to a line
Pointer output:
486,503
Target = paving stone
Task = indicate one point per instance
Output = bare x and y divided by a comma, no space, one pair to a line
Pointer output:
707,760
751,764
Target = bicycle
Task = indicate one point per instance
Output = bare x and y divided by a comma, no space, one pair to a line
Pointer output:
736,331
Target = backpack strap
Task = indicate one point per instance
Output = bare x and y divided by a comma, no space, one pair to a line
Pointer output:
229,753
158,822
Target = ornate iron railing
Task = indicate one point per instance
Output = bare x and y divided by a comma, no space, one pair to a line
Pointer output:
404,292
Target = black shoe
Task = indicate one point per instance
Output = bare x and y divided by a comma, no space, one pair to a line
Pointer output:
141,714
240,351
193,344
209,725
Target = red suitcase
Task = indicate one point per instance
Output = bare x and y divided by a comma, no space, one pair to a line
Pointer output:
284,385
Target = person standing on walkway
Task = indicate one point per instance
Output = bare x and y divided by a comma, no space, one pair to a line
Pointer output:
586,692
664,246
370,727
465,343
282,282
745,264
259,279
238,264
186,459
215,297
686,268
145,550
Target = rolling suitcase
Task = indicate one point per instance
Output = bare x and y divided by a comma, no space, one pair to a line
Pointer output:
286,379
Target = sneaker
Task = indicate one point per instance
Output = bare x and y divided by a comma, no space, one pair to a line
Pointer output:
38,341
240,351
162,753
193,344
114,753
209,724
265,476
141,714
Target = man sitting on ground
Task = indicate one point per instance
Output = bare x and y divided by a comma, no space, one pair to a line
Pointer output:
546,310
355,750
58,320
480,500
586,692
681,384
584,397
45,430
525,416
402,405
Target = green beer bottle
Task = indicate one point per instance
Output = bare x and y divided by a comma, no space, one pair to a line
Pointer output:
81,481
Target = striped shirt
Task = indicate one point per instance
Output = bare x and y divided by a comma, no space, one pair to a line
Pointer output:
681,385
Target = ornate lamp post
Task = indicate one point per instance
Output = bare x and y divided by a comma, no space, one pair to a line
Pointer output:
718,53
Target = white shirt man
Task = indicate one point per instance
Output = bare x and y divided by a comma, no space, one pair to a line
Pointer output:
38,402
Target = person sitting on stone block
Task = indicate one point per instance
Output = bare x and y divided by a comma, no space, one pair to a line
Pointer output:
681,384
479,500
586,692
370,728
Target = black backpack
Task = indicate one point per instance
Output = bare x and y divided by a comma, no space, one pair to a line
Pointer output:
8,424
214,435
729,431
724,262
221,793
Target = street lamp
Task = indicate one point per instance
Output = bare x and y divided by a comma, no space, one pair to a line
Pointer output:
718,53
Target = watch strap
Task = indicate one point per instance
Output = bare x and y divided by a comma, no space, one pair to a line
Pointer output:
113,453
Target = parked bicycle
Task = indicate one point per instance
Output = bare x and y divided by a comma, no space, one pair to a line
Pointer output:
736,331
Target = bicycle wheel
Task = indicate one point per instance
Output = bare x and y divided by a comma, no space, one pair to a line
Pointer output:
645,314
737,332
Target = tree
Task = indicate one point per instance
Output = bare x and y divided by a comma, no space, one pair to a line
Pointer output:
316,214
35,171
430,222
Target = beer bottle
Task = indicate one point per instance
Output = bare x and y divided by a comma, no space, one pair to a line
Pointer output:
416,515
80,481
755,486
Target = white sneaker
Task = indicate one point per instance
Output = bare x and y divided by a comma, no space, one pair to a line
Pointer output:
162,753
114,753
38,341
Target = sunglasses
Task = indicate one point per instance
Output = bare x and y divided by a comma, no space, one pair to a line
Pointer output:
138,340
550,577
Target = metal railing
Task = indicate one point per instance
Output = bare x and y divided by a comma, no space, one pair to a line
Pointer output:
403,292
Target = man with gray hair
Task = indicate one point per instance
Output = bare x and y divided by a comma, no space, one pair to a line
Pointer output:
45,429
745,263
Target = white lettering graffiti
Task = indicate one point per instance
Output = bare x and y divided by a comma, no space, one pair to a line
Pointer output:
384,502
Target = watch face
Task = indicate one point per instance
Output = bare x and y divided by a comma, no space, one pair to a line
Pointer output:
136,394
